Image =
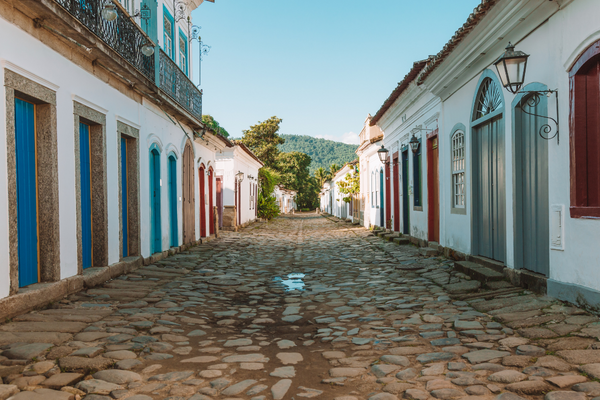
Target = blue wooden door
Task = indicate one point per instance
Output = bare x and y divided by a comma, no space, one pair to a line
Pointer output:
381,200
124,221
405,196
27,224
86,195
155,201
173,200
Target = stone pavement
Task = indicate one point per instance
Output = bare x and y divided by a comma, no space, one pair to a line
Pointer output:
366,319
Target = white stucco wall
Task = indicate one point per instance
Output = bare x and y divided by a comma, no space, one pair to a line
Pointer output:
48,68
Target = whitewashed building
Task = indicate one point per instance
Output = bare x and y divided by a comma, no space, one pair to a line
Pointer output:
340,208
371,175
326,197
237,186
286,199
411,185
518,166
104,150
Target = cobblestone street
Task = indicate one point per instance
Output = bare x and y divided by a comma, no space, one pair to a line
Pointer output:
301,307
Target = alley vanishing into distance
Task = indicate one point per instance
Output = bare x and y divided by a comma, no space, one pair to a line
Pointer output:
304,306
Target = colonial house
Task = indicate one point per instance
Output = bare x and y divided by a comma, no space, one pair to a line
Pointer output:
286,199
237,186
326,197
517,143
340,208
105,163
372,212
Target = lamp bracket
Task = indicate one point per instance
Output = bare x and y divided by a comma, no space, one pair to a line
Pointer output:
532,99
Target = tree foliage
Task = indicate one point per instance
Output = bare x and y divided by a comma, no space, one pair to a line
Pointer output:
214,125
349,186
267,203
263,139
323,152
322,175
295,175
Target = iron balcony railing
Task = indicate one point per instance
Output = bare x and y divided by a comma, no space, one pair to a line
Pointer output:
127,38
178,86
123,35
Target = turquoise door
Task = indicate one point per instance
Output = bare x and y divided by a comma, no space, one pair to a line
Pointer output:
86,195
27,226
125,222
173,200
155,238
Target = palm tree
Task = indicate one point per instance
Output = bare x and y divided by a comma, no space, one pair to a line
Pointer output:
333,168
322,175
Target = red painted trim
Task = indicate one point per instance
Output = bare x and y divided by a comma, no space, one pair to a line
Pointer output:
584,133
202,201
433,200
211,214
388,197
432,134
582,212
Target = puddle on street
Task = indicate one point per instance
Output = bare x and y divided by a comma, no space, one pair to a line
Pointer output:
293,282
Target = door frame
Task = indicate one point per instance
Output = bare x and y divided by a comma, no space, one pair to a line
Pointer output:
405,195
173,203
155,225
202,208
433,188
211,212
517,180
474,124
381,198
396,182
388,195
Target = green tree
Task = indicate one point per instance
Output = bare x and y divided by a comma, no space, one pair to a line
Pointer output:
349,186
263,139
294,173
267,203
333,168
214,125
321,175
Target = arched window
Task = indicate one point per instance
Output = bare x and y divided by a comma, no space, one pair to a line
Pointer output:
458,169
585,134
488,100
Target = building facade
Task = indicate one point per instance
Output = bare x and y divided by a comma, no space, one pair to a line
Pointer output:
237,186
372,212
106,161
517,172
286,199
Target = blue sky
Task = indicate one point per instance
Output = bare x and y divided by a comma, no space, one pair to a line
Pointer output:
322,65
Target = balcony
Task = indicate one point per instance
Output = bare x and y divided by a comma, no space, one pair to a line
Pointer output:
126,38
178,86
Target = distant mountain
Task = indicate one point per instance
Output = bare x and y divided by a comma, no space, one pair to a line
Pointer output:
323,152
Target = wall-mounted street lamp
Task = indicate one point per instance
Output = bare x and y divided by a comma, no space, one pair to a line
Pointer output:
414,144
511,67
239,176
384,155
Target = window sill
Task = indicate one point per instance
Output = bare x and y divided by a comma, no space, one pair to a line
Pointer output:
459,211
585,212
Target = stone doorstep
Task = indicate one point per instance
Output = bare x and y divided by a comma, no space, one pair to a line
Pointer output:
497,266
478,272
39,296
97,275
401,240
527,279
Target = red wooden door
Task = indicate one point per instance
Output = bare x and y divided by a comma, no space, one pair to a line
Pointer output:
433,190
202,202
211,211
189,223
396,178
388,204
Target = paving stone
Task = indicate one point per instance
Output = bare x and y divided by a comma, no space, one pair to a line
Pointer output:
96,386
507,376
120,377
238,387
279,389
566,395
44,394
26,352
481,356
